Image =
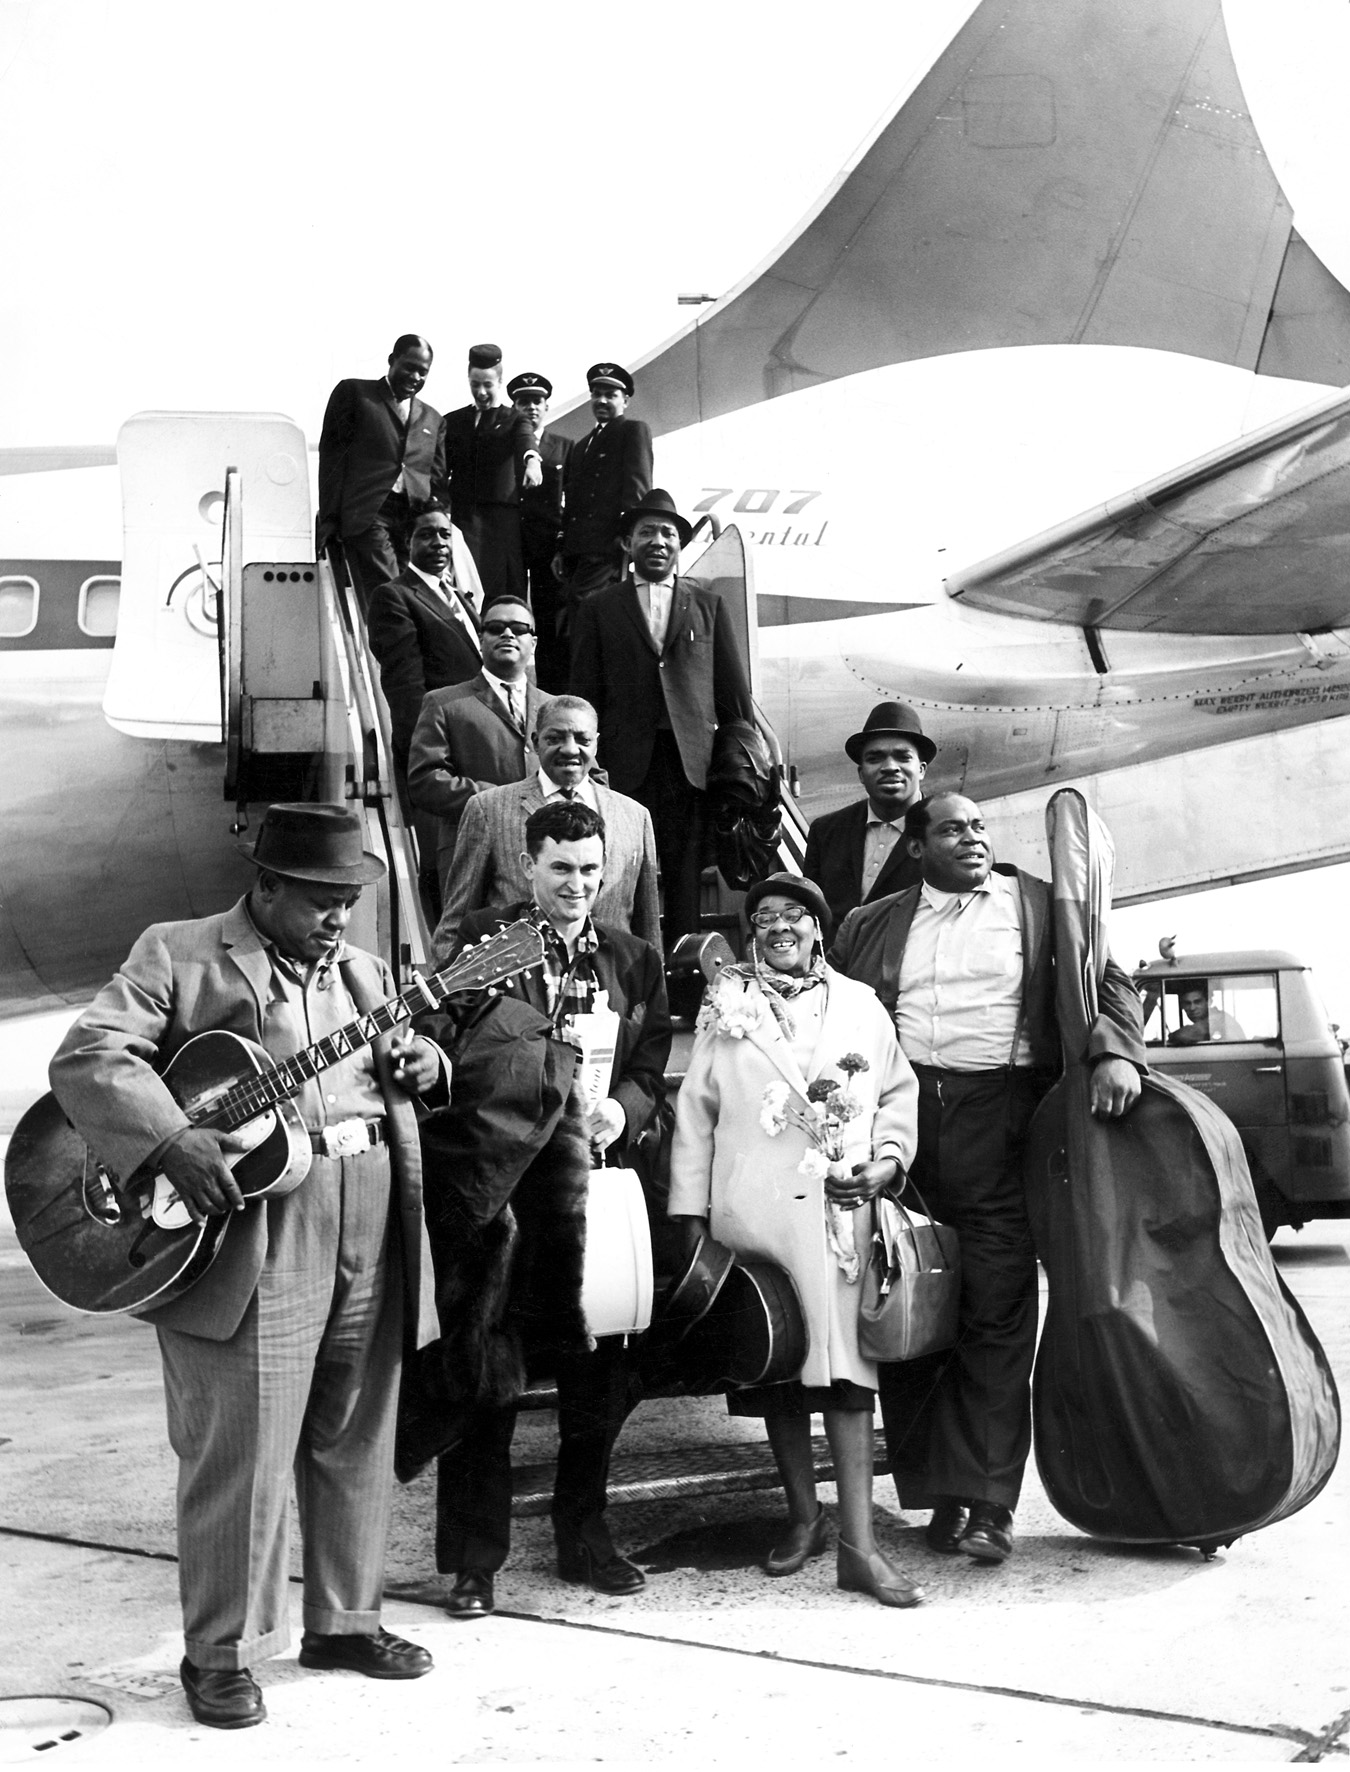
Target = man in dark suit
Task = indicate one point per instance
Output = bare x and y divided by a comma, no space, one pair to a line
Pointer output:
533,1272
476,734
489,452
424,634
656,656
379,458
964,963
608,472
858,854
541,513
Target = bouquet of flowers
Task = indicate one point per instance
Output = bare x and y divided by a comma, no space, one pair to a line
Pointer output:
832,1104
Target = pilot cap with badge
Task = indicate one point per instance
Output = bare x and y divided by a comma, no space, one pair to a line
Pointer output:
891,719
529,383
609,375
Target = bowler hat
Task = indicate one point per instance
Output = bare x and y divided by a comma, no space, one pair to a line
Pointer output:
314,842
612,375
896,719
484,356
657,503
529,383
793,886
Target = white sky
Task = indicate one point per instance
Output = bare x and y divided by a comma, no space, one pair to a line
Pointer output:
234,205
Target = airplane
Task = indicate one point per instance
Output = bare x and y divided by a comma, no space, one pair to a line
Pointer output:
1067,230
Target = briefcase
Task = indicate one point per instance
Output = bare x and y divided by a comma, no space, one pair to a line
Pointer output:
911,1285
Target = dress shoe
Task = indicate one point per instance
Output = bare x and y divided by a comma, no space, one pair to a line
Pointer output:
989,1535
382,1656
471,1596
801,1542
869,1573
222,1697
606,1573
943,1532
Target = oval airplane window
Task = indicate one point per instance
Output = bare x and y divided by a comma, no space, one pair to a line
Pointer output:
18,607
97,613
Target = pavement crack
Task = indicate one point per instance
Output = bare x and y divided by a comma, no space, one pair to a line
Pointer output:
1331,1740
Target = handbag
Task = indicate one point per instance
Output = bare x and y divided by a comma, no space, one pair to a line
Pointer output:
911,1285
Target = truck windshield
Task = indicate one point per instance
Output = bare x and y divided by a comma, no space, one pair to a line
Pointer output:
1222,1007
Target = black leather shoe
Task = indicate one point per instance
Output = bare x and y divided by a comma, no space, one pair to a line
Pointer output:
801,1542
989,1535
611,1574
471,1596
943,1532
222,1697
382,1657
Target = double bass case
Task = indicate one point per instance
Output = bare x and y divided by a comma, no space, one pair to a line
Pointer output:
1180,1395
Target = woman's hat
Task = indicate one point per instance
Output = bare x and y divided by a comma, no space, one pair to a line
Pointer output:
896,719
657,503
314,842
795,886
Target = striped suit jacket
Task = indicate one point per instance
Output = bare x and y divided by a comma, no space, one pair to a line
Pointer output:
485,870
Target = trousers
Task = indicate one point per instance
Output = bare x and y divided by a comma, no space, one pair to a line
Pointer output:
677,810
308,1384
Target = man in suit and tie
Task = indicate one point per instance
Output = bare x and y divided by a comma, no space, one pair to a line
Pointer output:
283,1357
608,472
489,452
379,458
859,854
657,657
541,515
487,869
476,735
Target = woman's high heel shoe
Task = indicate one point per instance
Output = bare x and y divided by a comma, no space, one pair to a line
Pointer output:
802,1541
869,1573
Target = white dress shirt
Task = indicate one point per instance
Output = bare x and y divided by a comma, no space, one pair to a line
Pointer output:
656,600
453,600
961,979
879,839
404,409
585,793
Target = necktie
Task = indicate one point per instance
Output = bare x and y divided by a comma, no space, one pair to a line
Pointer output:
513,705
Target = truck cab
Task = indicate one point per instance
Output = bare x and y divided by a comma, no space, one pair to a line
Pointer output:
1249,1030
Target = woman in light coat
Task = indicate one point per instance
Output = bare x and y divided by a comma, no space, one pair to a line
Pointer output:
775,1035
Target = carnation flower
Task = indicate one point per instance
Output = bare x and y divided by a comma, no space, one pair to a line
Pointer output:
814,1165
819,1090
853,1062
773,1110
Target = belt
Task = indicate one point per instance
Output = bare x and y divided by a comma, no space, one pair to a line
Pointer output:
347,1138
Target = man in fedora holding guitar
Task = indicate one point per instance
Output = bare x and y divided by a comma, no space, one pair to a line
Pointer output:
285,1353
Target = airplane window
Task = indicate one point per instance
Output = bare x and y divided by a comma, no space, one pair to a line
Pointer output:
18,607
1217,1010
99,599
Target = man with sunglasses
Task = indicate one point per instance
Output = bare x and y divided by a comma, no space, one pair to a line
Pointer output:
475,735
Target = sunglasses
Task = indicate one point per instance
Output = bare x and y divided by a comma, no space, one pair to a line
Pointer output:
497,628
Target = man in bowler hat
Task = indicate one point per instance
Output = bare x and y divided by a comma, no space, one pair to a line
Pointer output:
859,854
490,453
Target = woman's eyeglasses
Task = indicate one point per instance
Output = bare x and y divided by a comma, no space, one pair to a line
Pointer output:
791,914
498,628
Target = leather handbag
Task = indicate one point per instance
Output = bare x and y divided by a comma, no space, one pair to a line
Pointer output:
911,1285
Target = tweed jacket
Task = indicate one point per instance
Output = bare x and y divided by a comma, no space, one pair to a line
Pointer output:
364,445
188,978
463,742
871,945
421,644
607,471
697,677
834,860
485,870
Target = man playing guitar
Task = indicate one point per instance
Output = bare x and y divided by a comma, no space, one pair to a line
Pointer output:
285,1353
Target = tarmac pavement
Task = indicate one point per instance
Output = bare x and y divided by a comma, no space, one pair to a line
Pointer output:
1072,1653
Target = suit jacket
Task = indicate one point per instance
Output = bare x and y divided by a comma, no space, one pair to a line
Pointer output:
697,676
630,970
871,945
362,447
485,869
483,456
188,978
464,742
541,507
420,644
608,470
834,860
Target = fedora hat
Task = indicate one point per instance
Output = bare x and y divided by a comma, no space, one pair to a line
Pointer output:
313,842
657,503
796,886
898,720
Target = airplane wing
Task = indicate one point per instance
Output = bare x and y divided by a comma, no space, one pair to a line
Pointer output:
1251,539
1064,174
43,458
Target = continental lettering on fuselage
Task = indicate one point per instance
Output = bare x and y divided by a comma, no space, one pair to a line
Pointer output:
780,502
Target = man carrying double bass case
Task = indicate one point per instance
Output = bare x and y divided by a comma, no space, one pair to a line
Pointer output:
506,1173
964,964
309,1287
